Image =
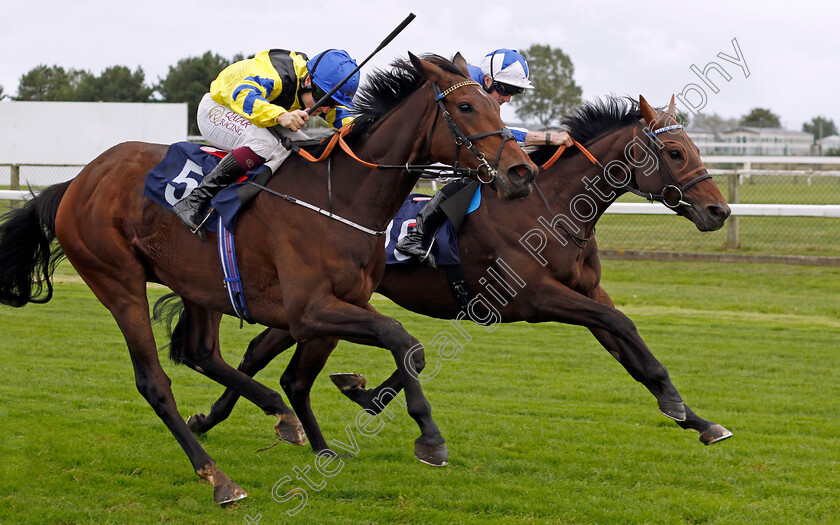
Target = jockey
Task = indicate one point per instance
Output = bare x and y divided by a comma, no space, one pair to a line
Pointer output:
254,103
503,73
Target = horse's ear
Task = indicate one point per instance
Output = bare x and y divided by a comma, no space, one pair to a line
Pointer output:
461,64
426,68
648,113
672,108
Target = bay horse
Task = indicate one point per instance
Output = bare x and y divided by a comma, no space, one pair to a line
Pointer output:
301,271
543,247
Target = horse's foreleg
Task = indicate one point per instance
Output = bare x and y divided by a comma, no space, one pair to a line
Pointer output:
270,343
627,356
308,361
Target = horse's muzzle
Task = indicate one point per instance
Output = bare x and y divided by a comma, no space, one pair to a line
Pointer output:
516,183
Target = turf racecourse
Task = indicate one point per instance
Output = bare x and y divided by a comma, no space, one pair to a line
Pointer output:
543,426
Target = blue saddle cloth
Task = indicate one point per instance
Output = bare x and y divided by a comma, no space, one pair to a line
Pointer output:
445,248
182,169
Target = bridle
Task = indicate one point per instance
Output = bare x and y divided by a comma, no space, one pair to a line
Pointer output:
485,171
672,190
460,140
464,140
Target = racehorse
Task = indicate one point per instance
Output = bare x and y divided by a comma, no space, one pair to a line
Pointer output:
301,271
536,259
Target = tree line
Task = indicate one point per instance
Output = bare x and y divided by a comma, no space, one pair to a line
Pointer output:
555,92
187,81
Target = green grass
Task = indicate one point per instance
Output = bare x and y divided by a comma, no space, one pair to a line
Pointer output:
543,426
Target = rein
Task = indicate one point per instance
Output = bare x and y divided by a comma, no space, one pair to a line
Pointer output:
460,139
672,191
671,184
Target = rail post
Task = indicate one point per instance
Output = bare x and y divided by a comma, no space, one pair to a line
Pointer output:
733,241
14,182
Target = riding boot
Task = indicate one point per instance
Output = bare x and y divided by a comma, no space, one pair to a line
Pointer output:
416,241
189,209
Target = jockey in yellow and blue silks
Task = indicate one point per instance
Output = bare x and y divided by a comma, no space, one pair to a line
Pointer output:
254,103
503,73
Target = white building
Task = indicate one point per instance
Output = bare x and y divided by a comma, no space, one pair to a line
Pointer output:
826,144
766,141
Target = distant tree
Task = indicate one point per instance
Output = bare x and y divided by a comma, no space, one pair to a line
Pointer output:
50,83
189,80
555,91
820,127
761,118
2,95
115,84
714,123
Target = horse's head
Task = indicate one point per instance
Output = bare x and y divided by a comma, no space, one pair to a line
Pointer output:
471,131
679,179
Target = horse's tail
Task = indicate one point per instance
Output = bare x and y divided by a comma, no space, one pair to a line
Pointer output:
27,255
166,309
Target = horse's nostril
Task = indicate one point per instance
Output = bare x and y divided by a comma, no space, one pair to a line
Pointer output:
719,212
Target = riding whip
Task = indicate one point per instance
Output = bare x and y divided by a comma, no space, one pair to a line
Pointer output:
384,43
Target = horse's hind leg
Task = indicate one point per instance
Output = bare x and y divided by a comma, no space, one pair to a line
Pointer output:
270,343
199,349
127,302
346,321
308,361
372,400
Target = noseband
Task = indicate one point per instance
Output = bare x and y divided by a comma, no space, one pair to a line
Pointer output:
463,140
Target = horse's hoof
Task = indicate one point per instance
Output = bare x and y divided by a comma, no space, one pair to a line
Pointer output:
714,434
290,430
675,411
348,381
228,493
436,455
195,423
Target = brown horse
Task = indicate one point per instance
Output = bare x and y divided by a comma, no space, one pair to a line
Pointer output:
301,271
536,259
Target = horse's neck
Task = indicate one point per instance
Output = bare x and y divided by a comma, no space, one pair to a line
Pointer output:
398,139
581,191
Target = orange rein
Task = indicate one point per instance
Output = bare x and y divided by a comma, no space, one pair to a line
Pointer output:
560,151
338,138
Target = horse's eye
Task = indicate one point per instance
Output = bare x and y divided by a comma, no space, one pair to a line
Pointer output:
676,155
465,107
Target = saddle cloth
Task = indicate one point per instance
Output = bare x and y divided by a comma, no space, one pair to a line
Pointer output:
184,166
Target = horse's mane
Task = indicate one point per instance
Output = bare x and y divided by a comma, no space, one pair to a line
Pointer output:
591,120
384,90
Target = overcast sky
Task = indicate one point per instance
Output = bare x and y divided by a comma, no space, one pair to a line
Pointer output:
791,49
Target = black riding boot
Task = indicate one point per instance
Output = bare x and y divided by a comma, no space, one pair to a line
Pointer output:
189,209
416,241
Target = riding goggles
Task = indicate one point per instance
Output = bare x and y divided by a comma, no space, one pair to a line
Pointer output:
506,89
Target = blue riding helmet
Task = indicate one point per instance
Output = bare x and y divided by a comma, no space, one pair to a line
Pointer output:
330,67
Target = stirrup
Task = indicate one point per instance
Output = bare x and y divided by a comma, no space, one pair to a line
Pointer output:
199,230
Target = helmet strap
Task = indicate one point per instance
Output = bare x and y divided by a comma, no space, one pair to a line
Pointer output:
315,65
